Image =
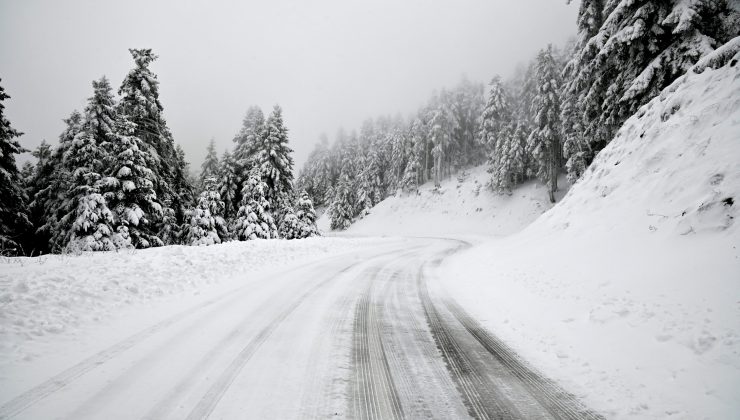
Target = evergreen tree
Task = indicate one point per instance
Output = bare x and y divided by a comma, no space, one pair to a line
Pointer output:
290,226
129,188
207,226
249,140
141,106
274,158
306,217
210,166
544,141
511,168
13,216
85,159
92,227
496,116
228,186
52,185
176,214
628,51
254,220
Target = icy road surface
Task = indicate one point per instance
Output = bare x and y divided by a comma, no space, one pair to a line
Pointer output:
367,335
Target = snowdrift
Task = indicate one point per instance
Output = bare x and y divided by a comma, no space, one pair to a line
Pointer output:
627,291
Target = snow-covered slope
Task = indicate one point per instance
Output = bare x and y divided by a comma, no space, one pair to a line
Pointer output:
463,205
628,290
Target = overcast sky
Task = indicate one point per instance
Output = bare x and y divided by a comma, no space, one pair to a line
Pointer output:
328,63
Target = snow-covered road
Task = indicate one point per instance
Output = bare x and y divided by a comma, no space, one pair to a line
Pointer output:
366,334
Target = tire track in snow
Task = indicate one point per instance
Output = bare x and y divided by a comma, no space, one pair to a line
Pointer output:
472,377
558,402
210,400
374,392
63,379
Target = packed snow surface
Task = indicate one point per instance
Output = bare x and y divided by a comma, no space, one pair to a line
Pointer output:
628,291
63,298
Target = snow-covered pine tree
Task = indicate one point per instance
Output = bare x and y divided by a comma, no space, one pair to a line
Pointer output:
249,140
53,181
86,158
210,166
315,177
92,227
175,216
409,182
275,160
511,166
228,186
254,220
342,208
497,115
207,226
13,215
544,141
141,106
630,50
129,188
306,217
289,227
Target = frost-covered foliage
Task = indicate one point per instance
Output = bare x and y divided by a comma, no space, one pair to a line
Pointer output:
207,225
254,219
13,216
276,163
289,227
496,117
306,217
544,141
249,139
210,166
628,51
511,165
129,190
92,228
141,106
228,185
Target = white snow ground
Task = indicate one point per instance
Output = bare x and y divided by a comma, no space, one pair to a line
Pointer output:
628,291
58,307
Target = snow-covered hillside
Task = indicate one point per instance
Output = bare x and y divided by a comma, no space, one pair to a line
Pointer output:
628,290
463,205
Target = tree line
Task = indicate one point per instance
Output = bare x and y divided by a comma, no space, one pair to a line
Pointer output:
553,117
118,180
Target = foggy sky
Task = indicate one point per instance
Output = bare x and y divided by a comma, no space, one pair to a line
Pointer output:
328,63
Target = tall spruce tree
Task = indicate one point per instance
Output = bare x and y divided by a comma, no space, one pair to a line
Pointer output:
544,141
129,188
141,106
210,166
275,160
207,226
13,215
254,219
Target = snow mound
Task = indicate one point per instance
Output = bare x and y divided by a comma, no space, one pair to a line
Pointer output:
627,291
463,205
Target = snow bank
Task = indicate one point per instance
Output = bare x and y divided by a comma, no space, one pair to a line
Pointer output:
48,298
463,205
628,291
